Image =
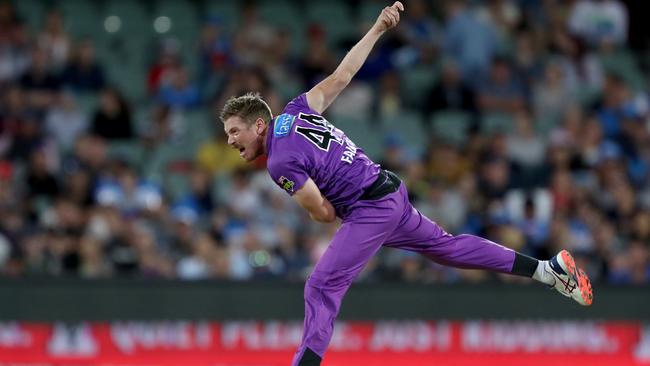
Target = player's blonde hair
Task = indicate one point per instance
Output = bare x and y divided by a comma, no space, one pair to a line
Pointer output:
248,107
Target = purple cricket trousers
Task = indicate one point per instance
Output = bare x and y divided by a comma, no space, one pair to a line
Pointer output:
370,224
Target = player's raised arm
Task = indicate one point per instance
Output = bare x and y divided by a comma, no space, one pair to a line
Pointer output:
322,95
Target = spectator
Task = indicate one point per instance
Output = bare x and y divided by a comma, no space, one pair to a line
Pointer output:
246,206
589,142
65,122
201,191
161,71
198,264
504,16
82,72
599,21
127,192
528,58
495,177
90,154
40,180
395,153
451,93
159,126
54,39
179,93
252,38
552,96
40,84
32,249
562,190
93,262
242,80
14,109
28,136
77,187
535,228
526,150
613,106
281,66
445,205
318,59
633,266
420,33
641,226
470,41
185,217
112,119
447,164
217,157
501,92
214,47
151,262
121,256
389,101
9,20
581,68
14,45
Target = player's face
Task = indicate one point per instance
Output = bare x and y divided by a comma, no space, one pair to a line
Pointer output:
246,138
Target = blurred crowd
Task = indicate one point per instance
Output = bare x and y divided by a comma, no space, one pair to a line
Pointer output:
567,165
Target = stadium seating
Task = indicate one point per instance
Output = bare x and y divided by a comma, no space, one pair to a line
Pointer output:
33,12
364,135
416,83
321,12
450,126
410,128
494,122
82,18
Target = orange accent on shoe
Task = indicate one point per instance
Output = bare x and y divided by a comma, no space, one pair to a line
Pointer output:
585,287
579,276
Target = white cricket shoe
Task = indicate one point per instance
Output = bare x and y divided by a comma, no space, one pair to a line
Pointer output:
570,280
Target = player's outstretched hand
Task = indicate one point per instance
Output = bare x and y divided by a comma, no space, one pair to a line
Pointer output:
389,17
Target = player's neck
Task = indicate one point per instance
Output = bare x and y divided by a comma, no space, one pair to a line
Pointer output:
265,137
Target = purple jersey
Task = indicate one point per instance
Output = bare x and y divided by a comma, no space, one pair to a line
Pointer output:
301,144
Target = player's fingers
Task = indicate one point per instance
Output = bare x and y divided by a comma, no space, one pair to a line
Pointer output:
392,13
390,17
385,17
396,15
398,5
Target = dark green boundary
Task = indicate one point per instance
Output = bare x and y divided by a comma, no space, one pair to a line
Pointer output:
76,300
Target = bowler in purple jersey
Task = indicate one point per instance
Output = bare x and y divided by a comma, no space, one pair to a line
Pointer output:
305,145
329,176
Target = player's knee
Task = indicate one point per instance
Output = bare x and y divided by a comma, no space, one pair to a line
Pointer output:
315,282
328,282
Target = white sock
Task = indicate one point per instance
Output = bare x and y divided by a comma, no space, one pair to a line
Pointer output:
542,275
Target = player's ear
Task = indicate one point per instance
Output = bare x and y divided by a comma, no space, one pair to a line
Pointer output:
260,125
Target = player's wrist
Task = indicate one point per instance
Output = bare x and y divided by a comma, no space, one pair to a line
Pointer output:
377,29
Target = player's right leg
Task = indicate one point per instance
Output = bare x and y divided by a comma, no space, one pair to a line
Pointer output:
418,233
357,240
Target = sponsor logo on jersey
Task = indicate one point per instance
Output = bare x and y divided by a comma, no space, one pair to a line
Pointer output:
286,184
283,125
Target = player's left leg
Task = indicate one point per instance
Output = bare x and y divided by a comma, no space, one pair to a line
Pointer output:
418,233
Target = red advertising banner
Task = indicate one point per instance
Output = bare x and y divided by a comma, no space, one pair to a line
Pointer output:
414,343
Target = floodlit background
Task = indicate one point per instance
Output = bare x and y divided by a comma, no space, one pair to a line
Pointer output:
523,121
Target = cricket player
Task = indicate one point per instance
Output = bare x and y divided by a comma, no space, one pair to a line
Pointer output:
330,177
